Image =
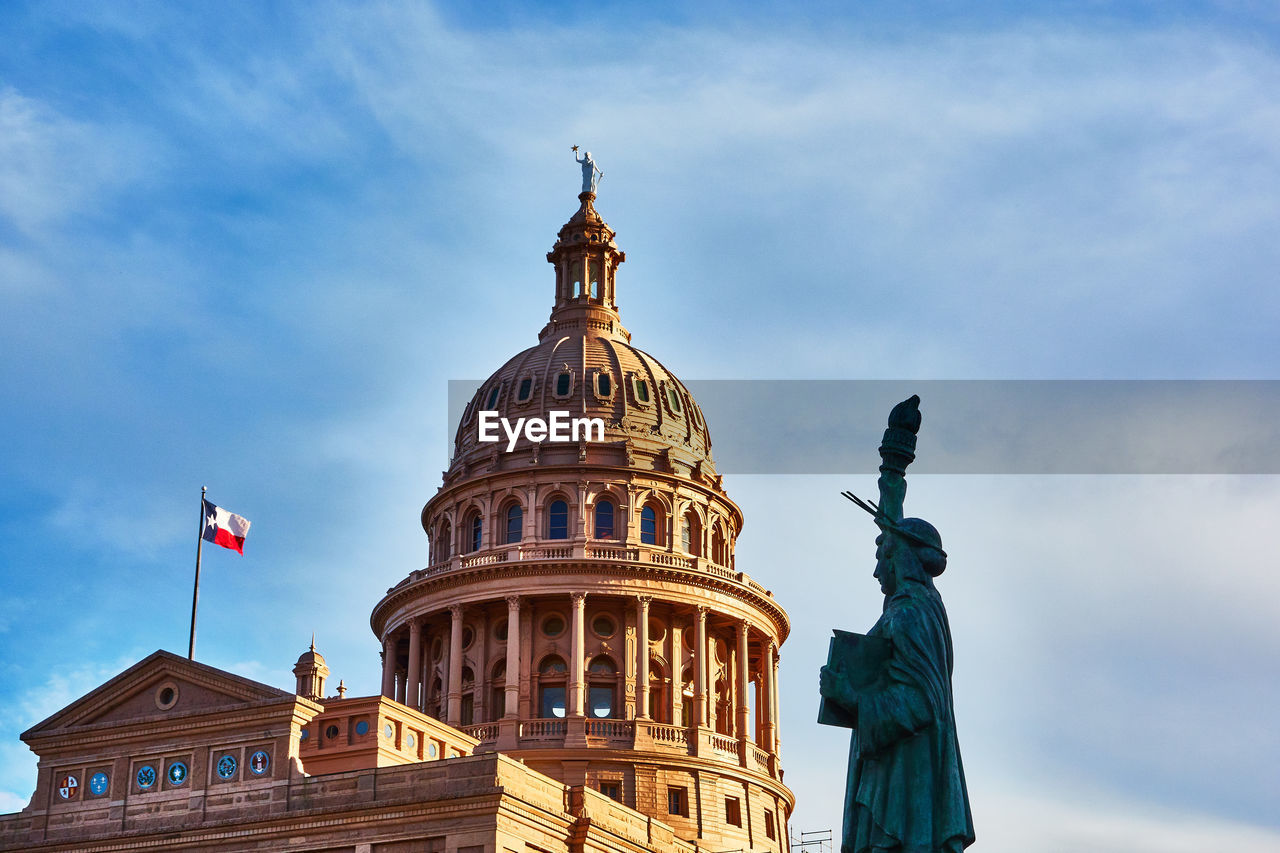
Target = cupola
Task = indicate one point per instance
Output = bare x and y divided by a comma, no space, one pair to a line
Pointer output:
586,260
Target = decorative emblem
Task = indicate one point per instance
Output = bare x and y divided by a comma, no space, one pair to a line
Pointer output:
227,766
98,784
362,727
177,773
146,776
68,787
259,762
388,731
409,741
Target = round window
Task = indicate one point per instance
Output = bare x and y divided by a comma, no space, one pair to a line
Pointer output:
331,732
304,734
603,626
657,630
687,637
468,637
166,696
362,727
177,773
437,648
553,626
388,731
146,776
431,749
227,765
259,762
500,631
409,741
98,784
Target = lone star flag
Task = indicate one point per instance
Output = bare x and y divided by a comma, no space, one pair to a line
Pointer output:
224,528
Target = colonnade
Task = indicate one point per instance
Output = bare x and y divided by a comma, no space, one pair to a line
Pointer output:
753,649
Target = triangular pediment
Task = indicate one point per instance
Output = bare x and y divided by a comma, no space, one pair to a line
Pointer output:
162,684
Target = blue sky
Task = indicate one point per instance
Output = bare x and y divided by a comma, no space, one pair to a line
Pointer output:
247,247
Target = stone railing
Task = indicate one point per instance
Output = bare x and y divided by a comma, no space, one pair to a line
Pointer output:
484,559
759,758
546,553
629,555
668,734
483,731
664,559
542,729
622,731
723,743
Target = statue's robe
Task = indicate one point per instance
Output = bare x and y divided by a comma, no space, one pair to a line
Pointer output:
906,789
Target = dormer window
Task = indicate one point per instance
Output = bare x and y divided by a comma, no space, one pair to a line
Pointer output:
493,397
563,384
525,391
640,390
604,385
673,400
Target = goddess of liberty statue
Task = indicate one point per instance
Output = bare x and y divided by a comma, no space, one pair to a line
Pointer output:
590,174
905,790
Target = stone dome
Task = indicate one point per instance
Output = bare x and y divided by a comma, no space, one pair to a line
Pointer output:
585,365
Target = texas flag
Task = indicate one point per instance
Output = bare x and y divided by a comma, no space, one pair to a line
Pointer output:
224,528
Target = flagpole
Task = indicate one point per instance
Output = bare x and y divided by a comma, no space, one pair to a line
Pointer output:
195,595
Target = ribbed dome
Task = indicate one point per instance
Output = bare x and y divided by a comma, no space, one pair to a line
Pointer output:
585,365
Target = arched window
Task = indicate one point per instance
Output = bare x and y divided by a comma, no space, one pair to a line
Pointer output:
724,708
605,522
718,551
651,524
476,527
551,687
558,520
444,533
437,699
691,534
595,279
602,688
515,524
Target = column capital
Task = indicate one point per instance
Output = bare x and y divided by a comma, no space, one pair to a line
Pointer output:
513,602
415,625
456,610
578,598
645,601
703,610
744,627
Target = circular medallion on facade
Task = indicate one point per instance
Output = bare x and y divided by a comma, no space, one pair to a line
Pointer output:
227,766
146,776
468,636
362,727
388,731
304,734
98,784
331,732
177,773
68,786
409,741
553,626
603,626
259,762
431,749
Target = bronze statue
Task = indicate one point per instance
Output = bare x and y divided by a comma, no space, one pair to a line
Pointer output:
905,791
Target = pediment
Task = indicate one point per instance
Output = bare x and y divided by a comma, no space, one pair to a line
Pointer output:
159,685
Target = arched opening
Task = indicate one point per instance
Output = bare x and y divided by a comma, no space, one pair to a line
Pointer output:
653,524
467,715
437,697
552,673
558,519
659,693
605,519
724,708
686,697
498,691
444,534
474,527
719,552
602,688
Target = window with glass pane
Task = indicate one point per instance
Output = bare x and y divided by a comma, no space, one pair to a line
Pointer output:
649,526
601,701
604,520
475,532
604,385
686,537
558,520
562,384
515,519
526,389
552,704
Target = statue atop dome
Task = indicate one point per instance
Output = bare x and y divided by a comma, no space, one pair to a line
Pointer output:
591,175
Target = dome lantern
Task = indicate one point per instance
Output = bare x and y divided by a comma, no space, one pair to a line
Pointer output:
586,260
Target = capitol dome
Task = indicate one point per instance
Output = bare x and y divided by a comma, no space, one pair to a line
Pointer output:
582,610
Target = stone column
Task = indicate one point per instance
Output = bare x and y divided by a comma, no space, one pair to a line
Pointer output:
773,691
388,667
400,679
415,665
700,667
512,707
577,666
642,655
764,707
743,709
454,715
